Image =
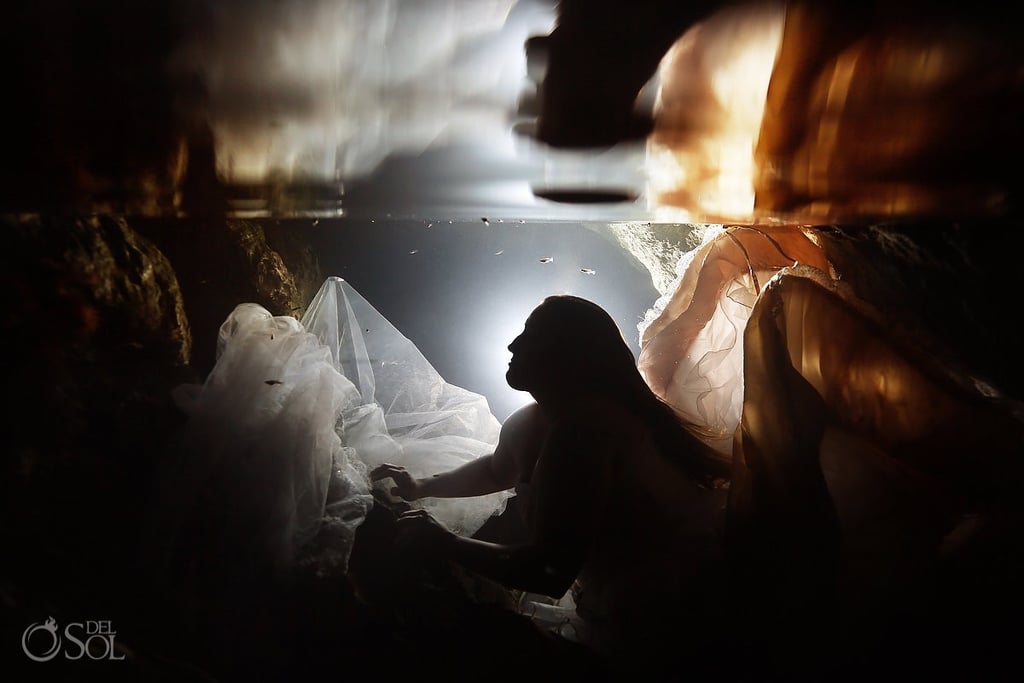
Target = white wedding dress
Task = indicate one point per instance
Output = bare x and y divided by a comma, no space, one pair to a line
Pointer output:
281,436
774,351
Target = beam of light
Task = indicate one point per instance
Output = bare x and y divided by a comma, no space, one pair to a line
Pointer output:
708,112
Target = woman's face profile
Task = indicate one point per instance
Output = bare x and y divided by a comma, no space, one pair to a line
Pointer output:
564,340
531,353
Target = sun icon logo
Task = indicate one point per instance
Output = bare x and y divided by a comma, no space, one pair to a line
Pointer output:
50,627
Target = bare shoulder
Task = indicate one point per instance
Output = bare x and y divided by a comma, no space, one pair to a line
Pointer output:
522,436
525,428
523,419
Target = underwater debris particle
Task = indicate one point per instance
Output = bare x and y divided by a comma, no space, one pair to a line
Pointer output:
272,382
430,225
499,252
547,259
414,251
486,222
316,221
587,271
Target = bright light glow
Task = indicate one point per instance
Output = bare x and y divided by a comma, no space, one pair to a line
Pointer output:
495,331
327,89
708,113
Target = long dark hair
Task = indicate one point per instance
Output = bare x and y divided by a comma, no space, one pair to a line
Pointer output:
596,358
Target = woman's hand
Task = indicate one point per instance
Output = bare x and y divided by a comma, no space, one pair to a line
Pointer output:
418,530
406,486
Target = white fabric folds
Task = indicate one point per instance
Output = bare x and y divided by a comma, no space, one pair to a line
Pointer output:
293,416
406,414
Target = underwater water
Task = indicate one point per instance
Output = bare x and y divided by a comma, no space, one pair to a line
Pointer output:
461,289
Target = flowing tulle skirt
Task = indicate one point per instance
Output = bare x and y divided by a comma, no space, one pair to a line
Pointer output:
282,434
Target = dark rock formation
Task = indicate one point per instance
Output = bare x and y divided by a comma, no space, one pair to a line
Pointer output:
97,320
222,262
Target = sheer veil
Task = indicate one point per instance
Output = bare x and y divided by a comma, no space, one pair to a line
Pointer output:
283,432
407,414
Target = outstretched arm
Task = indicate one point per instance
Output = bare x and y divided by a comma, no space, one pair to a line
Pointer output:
518,443
527,566
570,491
475,478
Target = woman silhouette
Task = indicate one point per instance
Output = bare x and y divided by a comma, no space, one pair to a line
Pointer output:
619,499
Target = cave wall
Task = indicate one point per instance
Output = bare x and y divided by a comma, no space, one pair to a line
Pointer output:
103,316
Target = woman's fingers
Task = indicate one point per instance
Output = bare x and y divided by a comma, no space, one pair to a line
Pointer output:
406,485
415,527
386,470
415,514
419,521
